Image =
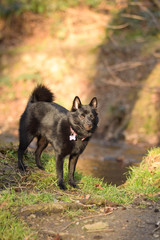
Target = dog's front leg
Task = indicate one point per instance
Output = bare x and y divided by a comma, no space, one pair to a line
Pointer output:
72,166
59,170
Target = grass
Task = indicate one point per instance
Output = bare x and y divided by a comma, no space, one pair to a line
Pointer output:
10,226
145,179
36,186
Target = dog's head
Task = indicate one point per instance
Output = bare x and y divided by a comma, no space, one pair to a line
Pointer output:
84,118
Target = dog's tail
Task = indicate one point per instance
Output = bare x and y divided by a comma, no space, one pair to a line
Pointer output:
41,94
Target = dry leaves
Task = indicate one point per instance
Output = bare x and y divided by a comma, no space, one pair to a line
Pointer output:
57,237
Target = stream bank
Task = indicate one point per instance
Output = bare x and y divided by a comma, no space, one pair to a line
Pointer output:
110,161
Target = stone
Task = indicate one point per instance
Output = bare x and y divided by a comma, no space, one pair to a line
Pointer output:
96,226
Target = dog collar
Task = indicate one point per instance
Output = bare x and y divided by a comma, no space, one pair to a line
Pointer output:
73,136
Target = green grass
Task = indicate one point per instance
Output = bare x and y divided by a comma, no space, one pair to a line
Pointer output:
38,186
145,179
10,226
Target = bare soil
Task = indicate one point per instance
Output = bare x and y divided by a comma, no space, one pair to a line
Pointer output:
119,224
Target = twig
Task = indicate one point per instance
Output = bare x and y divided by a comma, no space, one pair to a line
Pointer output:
84,218
126,65
118,26
100,230
145,9
133,16
117,80
156,229
61,234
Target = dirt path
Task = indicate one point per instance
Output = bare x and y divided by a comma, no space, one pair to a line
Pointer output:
119,224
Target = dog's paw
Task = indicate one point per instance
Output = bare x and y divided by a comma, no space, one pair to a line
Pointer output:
40,167
62,185
22,167
72,184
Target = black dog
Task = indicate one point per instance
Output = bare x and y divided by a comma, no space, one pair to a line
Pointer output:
67,131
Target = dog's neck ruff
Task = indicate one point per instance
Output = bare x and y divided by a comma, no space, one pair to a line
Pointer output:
73,136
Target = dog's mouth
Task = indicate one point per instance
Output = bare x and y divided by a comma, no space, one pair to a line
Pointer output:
83,131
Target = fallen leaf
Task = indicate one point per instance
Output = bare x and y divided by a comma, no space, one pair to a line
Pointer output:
57,237
124,208
99,186
87,196
108,209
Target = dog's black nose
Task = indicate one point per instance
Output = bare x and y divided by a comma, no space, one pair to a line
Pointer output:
88,126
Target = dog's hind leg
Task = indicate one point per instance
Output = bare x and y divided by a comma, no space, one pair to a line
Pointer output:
41,145
24,143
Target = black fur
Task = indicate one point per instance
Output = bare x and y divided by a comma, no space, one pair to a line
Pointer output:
52,123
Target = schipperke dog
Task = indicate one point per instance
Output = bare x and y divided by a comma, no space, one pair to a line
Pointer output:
67,131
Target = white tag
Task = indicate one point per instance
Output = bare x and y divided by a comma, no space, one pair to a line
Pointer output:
72,137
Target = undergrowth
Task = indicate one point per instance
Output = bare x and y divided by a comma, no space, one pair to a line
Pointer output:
36,186
16,7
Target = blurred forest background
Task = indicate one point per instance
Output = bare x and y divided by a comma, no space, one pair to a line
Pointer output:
109,49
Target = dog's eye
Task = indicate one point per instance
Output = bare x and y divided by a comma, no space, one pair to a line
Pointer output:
82,116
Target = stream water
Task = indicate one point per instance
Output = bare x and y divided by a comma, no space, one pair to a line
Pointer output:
110,162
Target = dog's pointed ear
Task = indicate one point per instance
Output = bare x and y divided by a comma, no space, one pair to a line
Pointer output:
94,103
76,103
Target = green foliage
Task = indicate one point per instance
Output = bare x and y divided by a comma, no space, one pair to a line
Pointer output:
5,81
35,76
10,7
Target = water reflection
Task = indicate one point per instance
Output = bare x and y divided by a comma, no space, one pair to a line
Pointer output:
109,162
